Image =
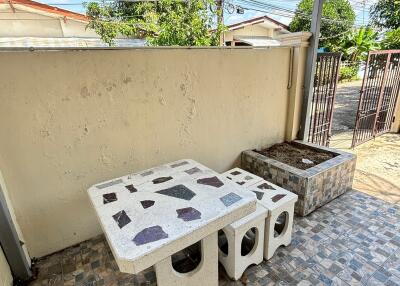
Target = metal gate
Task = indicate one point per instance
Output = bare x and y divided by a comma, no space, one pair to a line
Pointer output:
378,95
325,82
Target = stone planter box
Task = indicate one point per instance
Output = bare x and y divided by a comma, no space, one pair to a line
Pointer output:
315,186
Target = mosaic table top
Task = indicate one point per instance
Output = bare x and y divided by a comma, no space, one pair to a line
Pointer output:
150,215
268,195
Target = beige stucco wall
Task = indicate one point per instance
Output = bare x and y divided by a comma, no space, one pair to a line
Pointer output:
5,272
69,119
299,56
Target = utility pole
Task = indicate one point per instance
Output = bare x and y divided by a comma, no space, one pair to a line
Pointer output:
364,11
220,20
310,70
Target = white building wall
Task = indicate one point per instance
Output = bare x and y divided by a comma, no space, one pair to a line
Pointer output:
40,24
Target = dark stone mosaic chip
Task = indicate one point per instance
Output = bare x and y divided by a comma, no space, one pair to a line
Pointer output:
277,197
192,171
131,188
230,199
259,195
121,218
109,198
240,183
211,181
178,191
235,173
188,214
161,180
179,164
147,203
265,186
150,234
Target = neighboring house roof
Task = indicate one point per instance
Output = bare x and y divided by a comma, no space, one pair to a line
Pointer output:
48,9
255,21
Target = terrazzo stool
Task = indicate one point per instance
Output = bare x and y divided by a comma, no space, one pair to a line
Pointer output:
277,201
242,177
149,216
234,261
280,204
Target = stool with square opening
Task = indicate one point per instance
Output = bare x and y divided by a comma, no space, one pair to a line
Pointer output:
279,222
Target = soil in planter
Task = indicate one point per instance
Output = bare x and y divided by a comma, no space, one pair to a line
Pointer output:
293,155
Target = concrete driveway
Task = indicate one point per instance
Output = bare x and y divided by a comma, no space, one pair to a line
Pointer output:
378,160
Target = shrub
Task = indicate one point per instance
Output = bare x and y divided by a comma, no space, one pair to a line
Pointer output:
348,72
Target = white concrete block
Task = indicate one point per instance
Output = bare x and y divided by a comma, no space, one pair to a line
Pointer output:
206,272
149,216
277,201
234,262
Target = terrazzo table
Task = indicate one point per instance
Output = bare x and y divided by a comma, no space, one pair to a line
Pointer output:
149,216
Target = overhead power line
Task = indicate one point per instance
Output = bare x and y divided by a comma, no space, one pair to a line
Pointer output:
269,8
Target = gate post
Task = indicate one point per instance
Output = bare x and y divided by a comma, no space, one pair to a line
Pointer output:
310,70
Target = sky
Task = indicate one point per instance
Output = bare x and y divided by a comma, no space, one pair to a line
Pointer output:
362,15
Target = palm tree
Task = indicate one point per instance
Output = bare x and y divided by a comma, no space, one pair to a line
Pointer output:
356,44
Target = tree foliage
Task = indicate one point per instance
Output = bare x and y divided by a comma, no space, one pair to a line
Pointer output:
386,14
391,40
356,44
338,17
161,23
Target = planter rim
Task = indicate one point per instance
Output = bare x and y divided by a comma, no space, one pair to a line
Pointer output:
340,158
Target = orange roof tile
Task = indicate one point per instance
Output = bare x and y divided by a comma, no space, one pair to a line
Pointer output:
48,9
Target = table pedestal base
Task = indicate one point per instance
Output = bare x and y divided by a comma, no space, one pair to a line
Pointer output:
206,272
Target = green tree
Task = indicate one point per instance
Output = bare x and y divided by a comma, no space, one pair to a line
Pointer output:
161,23
385,14
338,17
391,40
356,44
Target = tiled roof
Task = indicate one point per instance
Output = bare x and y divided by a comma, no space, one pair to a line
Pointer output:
257,20
47,8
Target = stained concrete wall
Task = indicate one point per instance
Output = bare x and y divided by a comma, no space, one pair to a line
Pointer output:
69,119
5,272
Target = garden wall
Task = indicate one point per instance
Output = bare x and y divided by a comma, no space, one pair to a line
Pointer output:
70,119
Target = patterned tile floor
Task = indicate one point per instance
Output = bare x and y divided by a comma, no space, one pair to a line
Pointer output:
353,240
